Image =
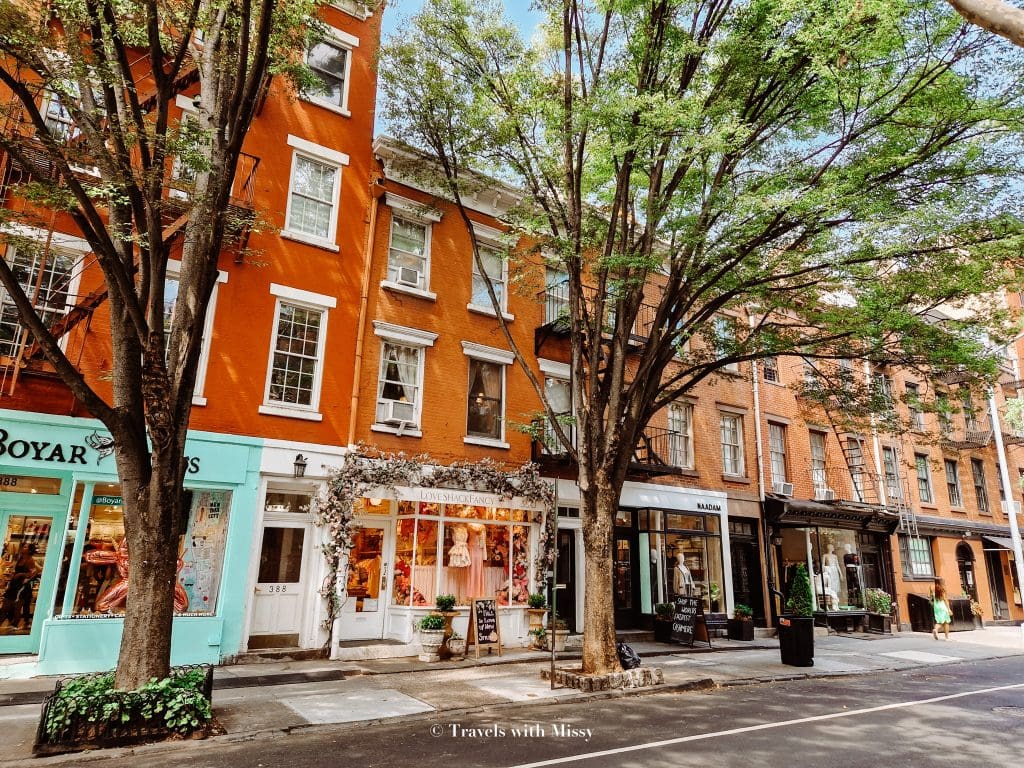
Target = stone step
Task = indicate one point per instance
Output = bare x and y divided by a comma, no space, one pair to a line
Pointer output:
267,655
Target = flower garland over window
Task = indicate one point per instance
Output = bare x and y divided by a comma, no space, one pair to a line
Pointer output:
367,469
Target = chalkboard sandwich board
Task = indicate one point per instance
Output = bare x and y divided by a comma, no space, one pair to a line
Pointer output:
484,628
684,619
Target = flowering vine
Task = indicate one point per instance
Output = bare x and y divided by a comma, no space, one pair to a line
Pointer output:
366,470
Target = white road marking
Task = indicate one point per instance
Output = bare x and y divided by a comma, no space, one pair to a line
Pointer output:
764,727
922,657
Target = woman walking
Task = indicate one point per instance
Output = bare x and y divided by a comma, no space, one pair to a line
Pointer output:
941,610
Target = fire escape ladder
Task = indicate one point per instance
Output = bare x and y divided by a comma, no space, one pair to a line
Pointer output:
908,518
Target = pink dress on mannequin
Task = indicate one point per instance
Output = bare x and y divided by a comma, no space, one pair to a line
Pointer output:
477,555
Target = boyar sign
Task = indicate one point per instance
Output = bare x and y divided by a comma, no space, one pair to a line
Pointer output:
66,453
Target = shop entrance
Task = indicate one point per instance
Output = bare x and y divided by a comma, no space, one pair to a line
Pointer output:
565,578
965,564
746,567
280,585
363,613
623,570
997,587
22,557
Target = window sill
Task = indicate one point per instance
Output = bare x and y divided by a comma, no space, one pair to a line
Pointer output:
290,413
393,430
387,285
198,400
316,242
687,472
326,105
958,509
488,442
489,312
907,577
925,505
736,479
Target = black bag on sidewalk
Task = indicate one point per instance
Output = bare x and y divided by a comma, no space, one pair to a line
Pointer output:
628,658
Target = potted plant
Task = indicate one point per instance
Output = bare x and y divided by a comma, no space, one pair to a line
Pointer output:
741,625
796,628
431,628
663,622
538,638
456,645
557,634
445,605
537,608
978,613
879,605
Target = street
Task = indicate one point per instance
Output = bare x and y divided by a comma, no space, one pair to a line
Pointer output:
969,714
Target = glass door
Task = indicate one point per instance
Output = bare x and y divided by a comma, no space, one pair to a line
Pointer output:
363,612
281,585
22,561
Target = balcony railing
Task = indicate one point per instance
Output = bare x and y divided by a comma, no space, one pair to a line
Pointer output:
556,310
660,451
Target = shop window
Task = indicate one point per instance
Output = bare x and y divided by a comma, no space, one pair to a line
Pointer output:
694,567
424,570
101,576
916,554
833,560
21,564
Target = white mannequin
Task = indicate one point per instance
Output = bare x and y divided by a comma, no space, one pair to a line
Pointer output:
683,581
828,589
830,568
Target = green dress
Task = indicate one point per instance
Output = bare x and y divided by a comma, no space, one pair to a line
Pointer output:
941,611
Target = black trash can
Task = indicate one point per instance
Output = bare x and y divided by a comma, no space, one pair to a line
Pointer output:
796,640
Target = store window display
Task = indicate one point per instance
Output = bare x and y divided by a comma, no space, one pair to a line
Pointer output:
463,550
833,557
685,558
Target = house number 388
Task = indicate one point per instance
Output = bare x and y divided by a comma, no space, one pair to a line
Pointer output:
277,588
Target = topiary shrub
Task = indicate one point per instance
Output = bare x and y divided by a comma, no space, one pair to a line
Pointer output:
445,602
800,602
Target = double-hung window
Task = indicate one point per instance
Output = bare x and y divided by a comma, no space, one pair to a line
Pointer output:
556,299
771,369
855,461
485,402
731,427
558,392
494,272
171,286
313,193
409,247
956,497
330,59
400,379
818,477
48,278
914,408
980,486
777,452
970,414
916,554
295,369
924,478
725,342
680,435
891,466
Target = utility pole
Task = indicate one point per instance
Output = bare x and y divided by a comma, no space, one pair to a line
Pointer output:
1004,478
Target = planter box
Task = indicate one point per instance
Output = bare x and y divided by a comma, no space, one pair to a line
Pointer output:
559,639
662,631
796,640
879,623
78,733
741,629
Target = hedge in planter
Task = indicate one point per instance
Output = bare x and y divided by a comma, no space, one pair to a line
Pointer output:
796,630
88,712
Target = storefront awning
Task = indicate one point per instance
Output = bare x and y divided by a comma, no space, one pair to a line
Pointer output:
840,515
931,525
998,542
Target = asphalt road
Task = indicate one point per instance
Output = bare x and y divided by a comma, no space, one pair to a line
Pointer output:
969,714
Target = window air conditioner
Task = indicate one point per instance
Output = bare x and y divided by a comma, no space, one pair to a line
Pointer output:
397,412
824,494
783,489
1006,507
409,276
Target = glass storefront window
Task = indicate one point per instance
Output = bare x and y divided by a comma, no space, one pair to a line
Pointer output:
695,568
102,572
401,591
21,564
833,560
424,570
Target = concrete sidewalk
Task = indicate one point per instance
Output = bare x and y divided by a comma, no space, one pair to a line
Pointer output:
269,699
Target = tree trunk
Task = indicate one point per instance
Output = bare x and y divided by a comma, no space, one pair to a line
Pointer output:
151,526
996,16
600,503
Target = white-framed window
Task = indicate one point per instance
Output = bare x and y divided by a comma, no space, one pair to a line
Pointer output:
49,278
956,497
400,379
945,414
170,303
408,253
314,188
680,435
914,407
916,554
732,444
891,467
725,341
183,177
818,474
330,59
495,272
924,478
556,296
771,369
970,413
57,117
855,462
777,451
485,402
980,485
295,367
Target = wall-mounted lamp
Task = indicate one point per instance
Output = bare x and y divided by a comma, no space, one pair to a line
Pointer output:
299,469
777,541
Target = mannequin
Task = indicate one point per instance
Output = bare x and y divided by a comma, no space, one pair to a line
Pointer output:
683,581
852,562
477,557
830,568
828,590
458,555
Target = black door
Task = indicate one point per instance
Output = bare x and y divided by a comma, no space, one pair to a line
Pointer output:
624,579
565,577
994,566
746,577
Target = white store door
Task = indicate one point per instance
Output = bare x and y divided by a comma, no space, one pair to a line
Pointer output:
366,599
281,585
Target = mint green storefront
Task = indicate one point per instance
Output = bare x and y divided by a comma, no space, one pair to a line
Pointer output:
62,563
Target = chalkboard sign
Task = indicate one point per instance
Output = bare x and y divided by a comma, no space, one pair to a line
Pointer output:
684,618
484,628
716,622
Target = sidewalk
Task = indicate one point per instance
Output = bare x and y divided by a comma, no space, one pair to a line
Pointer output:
269,699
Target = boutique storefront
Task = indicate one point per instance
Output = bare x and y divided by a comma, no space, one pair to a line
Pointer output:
425,542
63,563
845,550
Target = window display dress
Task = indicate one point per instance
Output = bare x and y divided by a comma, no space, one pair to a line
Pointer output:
458,555
478,556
